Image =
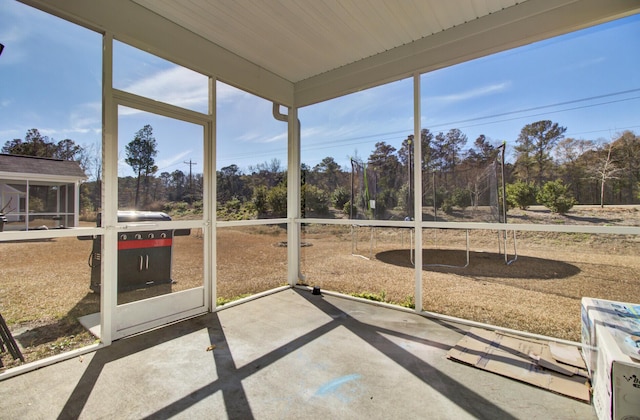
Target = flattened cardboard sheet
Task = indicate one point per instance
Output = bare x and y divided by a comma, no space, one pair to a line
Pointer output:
569,355
519,358
554,356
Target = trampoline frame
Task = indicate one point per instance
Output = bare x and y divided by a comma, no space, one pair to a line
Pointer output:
502,234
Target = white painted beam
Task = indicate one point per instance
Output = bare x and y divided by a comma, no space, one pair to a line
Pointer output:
525,23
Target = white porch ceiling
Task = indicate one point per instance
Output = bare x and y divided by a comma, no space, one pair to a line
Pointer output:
327,48
298,39
306,51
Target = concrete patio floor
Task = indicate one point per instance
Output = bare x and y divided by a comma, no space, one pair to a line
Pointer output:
290,354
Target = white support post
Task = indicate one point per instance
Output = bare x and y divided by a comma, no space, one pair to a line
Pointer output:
417,195
109,292
293,197
26,206
76,204
58,209
210,233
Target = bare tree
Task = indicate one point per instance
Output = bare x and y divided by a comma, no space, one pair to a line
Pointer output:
604,169
570,156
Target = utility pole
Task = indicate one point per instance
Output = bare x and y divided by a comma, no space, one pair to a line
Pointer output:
190,163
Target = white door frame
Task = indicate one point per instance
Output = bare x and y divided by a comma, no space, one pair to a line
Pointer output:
121,320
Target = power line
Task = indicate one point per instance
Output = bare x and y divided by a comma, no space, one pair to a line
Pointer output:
606,130
535,108
542,113
353,141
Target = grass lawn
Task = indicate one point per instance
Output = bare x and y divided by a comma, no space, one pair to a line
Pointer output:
45,284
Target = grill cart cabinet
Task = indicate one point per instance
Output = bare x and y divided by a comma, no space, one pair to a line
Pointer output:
144,257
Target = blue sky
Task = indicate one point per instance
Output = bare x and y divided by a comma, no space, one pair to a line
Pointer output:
50,79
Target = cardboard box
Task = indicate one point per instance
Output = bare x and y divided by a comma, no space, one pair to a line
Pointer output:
626,390
616,382
610,332
624,320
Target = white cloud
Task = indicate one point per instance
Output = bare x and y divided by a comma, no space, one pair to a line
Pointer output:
259,137
10,134
14,51
85,123
579,65
185,88
328,132
227,93
12,34
262,138
469,94
86,117
276,138
177,86
173,160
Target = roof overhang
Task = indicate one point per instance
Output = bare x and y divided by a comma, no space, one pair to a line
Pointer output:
454,31
524,23
41,179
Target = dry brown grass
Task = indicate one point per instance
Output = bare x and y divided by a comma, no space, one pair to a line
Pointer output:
539,293
45,284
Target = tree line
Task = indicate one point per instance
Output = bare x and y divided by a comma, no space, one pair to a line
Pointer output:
545,167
